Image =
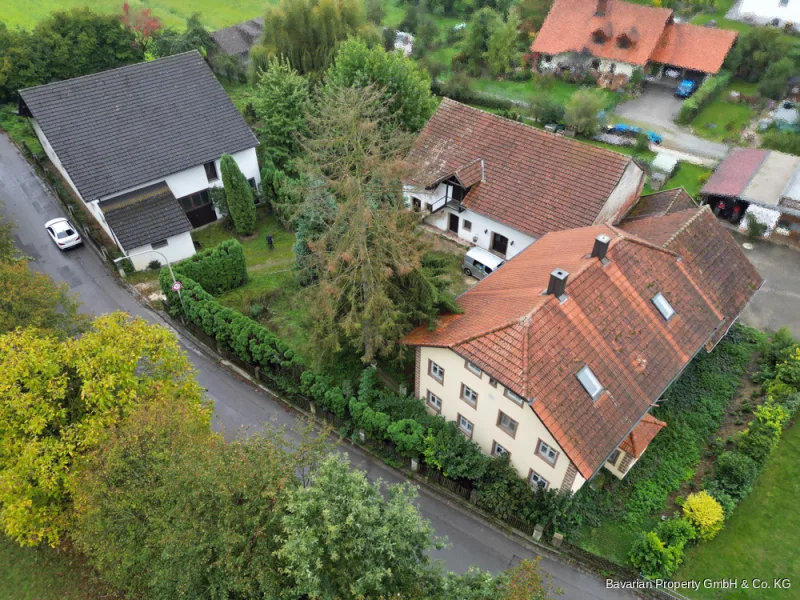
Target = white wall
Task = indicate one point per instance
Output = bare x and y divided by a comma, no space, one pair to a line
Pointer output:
482,226
764,11
484,416
178,247
51,154
620,68
627,192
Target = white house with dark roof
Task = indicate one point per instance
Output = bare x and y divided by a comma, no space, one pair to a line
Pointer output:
141,146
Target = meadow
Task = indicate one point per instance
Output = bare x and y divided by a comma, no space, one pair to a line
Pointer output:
173,13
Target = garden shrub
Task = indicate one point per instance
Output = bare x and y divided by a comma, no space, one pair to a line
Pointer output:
736,473
408,436
762,435
239,195
704,513
714,489
676,532
707,92
782,142
457,457
216,269
546,109
654,558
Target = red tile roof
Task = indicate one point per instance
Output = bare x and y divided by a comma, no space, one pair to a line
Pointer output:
694,47
661,203
711,255
535,345
532,180
641,436
734,174
570,26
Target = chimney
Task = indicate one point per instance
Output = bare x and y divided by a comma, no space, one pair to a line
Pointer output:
600,249
558,284
602,6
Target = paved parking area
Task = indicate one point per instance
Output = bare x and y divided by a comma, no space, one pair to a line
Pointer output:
656,109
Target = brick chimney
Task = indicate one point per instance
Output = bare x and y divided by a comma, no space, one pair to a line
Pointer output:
602,7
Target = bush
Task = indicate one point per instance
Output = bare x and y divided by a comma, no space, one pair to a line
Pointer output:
736,473
216,269
545,109
408,436
642,143
755,228
724,498
459,88
705,514
583,111
782,142
653,558
154,265
762,436
676,532
239,195
708,91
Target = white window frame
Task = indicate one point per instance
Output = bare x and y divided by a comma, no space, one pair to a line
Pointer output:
537,483
473,368
663,306
469,395
433,405
515,398
511,432
466,431
433,368
588,379
544,451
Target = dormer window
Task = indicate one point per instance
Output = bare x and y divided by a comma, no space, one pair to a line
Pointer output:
598,37
663,306
624,42
590,382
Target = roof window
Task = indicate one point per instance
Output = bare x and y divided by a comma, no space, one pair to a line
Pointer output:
663,306
590,382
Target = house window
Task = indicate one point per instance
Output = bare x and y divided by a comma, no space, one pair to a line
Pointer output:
596,65
516,398
473,368
159,244
589,382
466,426
499,244
416,204
623,42
614,456
469,395
537,480
663,306
434,402
498,450
598,37
467,225
196,200
545,59
493,382
211,171
435,371
507,424
546,452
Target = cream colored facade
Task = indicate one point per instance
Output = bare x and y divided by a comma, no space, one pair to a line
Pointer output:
485,415
620,467
551,63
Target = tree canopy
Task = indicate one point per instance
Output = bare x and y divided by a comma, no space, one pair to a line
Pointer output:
58,398
239,196
307,32
406,87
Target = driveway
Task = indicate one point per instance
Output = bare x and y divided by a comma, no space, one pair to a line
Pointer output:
656,109
240,405
776,305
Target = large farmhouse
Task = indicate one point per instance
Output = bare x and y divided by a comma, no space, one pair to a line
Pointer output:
615,37
559,355
140,146
501,185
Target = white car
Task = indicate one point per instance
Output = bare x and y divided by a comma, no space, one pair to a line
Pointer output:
63,233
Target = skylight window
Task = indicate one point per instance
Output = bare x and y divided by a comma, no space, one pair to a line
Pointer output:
663,306
590,382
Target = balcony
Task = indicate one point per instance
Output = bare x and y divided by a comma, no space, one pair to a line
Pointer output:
446,202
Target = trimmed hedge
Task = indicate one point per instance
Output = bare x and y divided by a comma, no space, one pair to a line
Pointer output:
467,96
708,91
216,269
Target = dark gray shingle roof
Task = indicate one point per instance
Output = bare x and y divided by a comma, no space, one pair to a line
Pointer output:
239,38
128,126
150,215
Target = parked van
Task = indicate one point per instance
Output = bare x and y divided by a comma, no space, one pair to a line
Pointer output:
479,263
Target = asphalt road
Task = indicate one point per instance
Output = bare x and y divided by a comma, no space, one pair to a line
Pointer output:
238,404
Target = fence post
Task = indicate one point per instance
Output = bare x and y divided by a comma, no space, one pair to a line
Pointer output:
537,532
558,539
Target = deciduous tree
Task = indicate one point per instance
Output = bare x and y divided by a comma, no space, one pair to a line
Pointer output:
195,36
502,53
476,45
58,399
583,111
241,206
406,88
307,32
144,25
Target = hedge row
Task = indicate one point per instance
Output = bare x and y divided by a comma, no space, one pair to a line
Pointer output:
384,416
468,96
216,269
708,91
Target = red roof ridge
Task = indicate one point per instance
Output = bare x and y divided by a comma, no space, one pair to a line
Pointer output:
688,223
625,235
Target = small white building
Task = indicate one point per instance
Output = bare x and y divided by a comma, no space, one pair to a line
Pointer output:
141,147
404,41
778,13
500,185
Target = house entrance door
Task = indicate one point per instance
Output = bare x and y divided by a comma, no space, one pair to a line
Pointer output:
453,224
198,208
499,244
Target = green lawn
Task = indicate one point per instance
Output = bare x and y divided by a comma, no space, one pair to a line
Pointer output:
46,574
239,93
560,91
19,129
173,13
728,118
687,176
760,539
